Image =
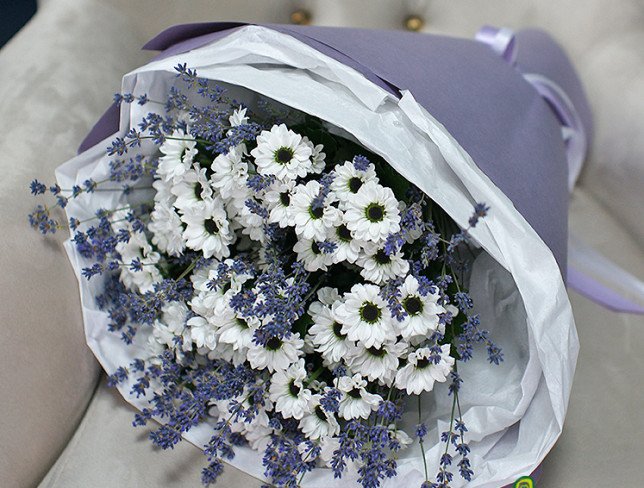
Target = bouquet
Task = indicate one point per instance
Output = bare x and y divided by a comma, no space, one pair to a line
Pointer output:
293,269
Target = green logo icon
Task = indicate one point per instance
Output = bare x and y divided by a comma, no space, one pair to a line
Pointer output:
524,482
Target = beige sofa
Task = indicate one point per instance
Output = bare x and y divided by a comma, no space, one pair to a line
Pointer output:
62,428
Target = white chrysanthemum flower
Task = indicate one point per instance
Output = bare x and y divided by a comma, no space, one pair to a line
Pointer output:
201,275
372,213
319,423
311,256
203,333
257,432
452,309
364,316
313,223
230,172
138,248
328,295
377,363
422,311
238,117
379,268
412,234
163,191
283,153
356,401
325,333
317,157
171,325
400,435
242,218
208,304
277,199
232,284
167,232
154,349
207,228
347,248
328,446
234,330
421,370
277,354
178,153
288,393
258,436
191,189
225,352
348,180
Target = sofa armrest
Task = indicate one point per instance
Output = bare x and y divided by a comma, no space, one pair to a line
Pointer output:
56,77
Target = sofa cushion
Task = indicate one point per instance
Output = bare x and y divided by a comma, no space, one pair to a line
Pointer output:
107,452
52,89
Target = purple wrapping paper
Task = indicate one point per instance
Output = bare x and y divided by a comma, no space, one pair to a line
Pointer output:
504,124
497,117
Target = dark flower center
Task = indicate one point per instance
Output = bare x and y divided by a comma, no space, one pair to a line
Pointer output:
355,393
370,313
274,343
293,388
211,226
320,413
316,212
315,248
283,155
242,323
344,233
285,199
413,305
374,351
381,257
198,190
355,184
422,363
337,330
375,212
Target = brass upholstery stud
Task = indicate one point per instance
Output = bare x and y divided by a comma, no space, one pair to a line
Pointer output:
301,17
414,23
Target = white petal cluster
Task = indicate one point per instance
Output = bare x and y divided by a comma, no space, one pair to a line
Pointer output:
348,180
326,332
283,153
422,371
372,213
311,222
288,392
208,229
319,423
277,354
356,401
137,248
178,151
334,218
422,312
229,172
364,316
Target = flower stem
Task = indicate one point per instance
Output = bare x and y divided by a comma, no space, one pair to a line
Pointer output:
420,441
315,375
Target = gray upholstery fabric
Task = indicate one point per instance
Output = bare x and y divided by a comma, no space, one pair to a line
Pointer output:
57,76
107,452
48,100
